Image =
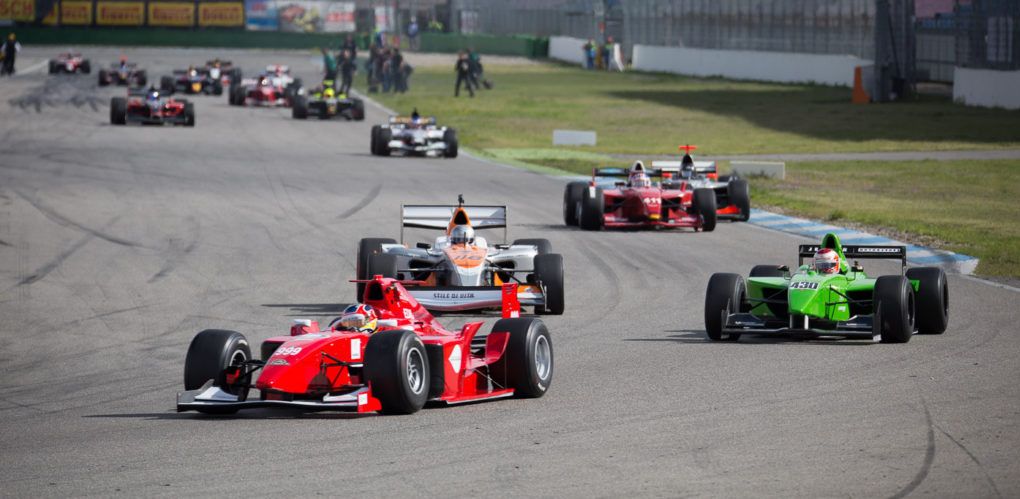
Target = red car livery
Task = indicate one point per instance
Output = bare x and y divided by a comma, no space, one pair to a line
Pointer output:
151,107
70,63
409,360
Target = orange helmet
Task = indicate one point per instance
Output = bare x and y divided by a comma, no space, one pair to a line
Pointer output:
826,261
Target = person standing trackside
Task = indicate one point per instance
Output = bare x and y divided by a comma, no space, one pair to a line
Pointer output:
9,51
347,70
412,34
329,65
463,69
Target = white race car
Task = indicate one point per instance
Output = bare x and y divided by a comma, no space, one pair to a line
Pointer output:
414,135
461,271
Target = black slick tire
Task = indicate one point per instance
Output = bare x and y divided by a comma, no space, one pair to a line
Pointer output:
739,193
450,138
592,205
189,114
704,205
358,110
549,273
527,363
894,309
572,194
368,247
397,369
299,110
383,142
726,294
166,84
211,352
931,299
118,110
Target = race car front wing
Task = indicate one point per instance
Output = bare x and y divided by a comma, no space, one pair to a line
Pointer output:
211,397
857,327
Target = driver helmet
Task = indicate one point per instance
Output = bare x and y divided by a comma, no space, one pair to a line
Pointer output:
153,95
328,93
264,81
192,71
826,261
640,179
462,234
123,59
360,318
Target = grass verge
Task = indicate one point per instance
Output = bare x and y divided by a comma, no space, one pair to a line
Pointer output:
968,207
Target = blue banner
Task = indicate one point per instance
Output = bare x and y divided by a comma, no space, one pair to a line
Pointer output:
261,15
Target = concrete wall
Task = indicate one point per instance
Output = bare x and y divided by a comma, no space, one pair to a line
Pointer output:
987,87
783,67
567,49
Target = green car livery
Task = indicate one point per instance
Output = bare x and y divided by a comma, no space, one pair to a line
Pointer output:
841,302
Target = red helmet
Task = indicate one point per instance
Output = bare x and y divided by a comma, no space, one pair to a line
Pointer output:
826,261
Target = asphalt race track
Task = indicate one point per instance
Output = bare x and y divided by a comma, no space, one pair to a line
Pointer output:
118,244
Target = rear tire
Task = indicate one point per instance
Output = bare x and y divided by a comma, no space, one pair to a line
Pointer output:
725,295
767,271
894,309
382,264
102,78
368,247
86,66
358,110
189,114
118,110
543,245
211,352
166,84
396,367
572,196
450,138
549,272
932,299
740,196
527,363
704,205
53,66
590,215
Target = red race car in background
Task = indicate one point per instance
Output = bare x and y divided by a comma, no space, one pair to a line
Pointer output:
638,202
273,87
393,358
151,107
70,63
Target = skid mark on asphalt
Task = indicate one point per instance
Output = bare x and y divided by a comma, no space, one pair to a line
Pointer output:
52,264
363,203
929,457
60,91
176,253
67,222
991,483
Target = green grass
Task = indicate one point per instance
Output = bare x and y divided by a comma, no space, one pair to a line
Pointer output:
966,206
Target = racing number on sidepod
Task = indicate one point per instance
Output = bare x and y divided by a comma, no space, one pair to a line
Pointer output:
804,285
284,351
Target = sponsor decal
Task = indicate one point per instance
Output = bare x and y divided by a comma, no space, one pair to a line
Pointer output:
17,10
653,201
356,349
277,362
76,12
362,398
180,14
120,13
878,250
50,19
221,14
803,285
340,17
451,296
455,359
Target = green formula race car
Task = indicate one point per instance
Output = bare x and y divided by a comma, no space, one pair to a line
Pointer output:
829,298
325,103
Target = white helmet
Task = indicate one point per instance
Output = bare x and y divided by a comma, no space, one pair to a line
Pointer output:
462,234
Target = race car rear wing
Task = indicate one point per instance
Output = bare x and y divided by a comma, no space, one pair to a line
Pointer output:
433,216
403,120
700,167
625,172
858,252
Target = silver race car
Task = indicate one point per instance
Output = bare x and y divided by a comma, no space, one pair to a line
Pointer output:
732,193
414,135
461,271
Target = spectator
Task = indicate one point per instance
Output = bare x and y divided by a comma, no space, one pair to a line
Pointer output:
386,71
351,45
476,68
370,74
9,50
435,26
589,54
606,50
397,70
412,34
329,66
463,69
347,70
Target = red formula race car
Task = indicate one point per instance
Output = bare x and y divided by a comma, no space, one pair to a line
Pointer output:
638,202
150,107
70,63
387,354
274,87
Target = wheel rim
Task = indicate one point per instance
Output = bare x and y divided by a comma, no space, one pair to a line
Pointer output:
543,357
415,370
237,358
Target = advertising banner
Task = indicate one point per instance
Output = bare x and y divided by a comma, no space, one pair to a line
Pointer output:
261,15
120,13
340,17
17,10
76,12
221,14
177,14
302,16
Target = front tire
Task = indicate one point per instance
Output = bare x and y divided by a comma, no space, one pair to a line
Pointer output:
189,114
118,110
704,205
572,196
299,110
549,273
725,295
450,138
211,352
385,134
527,363
590,215
739,193
894,309
932,299
396,367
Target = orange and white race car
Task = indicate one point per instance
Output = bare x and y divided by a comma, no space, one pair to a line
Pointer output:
461,271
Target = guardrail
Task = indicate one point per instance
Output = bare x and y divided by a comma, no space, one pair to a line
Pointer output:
522,45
